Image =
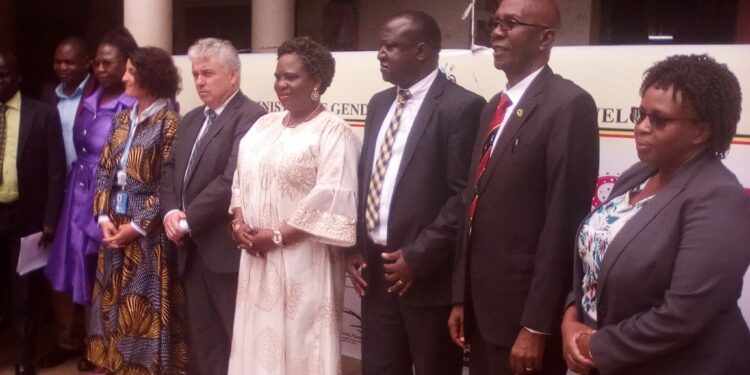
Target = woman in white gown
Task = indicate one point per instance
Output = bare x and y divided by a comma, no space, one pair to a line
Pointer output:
294,204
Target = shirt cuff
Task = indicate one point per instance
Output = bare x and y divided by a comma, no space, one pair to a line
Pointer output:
184,225
138,228
536,332
169,213
102,219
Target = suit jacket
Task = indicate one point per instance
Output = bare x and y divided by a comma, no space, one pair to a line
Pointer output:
208,190
424,210
515,268
670,279
41,167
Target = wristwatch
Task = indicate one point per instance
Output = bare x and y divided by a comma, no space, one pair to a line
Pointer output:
277,238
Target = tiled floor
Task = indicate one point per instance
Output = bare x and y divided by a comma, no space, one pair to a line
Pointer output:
351,366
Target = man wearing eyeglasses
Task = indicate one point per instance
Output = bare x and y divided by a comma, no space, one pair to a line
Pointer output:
533,172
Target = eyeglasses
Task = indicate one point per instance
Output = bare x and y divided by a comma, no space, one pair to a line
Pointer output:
655,120
507,24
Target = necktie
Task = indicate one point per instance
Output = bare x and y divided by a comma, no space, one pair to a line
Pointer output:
495,124
381,163
3,130
211,116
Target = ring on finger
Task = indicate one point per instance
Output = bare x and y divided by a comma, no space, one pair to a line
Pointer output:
529,369
400,282
251,244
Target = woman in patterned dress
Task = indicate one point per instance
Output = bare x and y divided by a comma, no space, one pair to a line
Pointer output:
136,326
660,262
294,205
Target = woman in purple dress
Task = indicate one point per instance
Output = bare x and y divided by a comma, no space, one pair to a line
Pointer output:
72,263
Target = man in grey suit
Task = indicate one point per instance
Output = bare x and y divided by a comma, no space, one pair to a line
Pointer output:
195,193
413,167
533,173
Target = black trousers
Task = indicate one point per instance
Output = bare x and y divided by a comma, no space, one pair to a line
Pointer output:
400,339
26,292
210,307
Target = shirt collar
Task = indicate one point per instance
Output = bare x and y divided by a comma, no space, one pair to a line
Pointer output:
420,88
78,92
222,106
15,101
155,107
516,92
92,102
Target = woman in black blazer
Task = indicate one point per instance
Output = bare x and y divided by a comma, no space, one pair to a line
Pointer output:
660,263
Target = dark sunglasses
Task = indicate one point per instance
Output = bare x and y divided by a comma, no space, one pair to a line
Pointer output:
657,121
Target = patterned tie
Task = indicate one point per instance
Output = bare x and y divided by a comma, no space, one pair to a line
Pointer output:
193,157
3,130
381,163
495,124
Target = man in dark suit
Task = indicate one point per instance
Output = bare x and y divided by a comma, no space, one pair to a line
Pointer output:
533,173
31,191
413,168
195,192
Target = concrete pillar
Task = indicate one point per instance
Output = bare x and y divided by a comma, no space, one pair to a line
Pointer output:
150,22
272,24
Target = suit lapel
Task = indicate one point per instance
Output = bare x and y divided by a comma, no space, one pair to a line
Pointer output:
516,121
27,121
420,122
227,116
635,225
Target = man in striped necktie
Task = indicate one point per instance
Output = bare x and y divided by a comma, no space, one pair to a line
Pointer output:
413,167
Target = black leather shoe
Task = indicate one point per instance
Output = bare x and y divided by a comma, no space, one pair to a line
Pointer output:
58,356
25,369
84,365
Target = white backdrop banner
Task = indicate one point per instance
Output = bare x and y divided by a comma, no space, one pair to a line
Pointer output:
611,74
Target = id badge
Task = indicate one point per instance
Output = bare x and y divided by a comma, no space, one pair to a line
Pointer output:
121,203
121,178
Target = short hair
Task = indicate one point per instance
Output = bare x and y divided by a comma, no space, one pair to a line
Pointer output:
121,39
317,60
706,85
78,43
155,71
222,50
425,26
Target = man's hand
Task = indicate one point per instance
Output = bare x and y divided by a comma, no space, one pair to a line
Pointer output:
456,325
397,272
48,235
355,267
526,353
172,226
126,233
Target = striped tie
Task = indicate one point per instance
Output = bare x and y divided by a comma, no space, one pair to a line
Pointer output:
497,121
381,163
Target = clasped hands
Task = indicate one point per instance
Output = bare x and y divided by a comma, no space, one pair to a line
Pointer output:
576,338
117,237
396,272
256,241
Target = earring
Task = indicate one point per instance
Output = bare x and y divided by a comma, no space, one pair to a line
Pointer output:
315,94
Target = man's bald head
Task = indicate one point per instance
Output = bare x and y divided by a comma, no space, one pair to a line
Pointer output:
10,77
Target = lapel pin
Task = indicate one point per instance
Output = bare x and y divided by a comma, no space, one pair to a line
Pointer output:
519,112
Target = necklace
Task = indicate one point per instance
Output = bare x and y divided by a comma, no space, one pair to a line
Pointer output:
288,117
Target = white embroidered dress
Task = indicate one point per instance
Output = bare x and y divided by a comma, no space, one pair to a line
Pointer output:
288,315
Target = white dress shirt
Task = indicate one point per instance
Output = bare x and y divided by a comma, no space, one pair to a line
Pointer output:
379,233
515,94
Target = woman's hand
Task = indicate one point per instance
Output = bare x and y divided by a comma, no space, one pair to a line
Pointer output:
126,233
261,241
573,334
242,234
108,231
